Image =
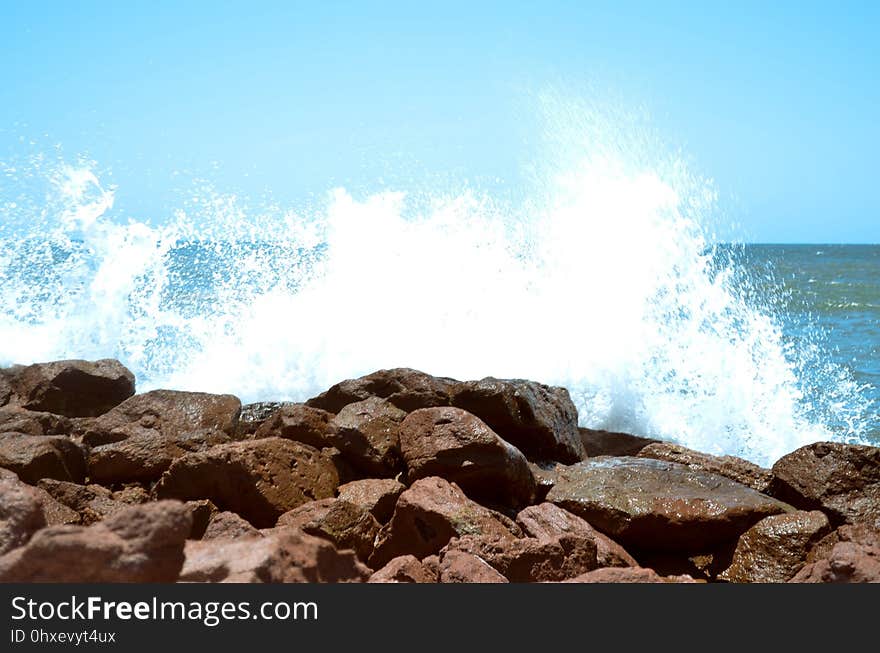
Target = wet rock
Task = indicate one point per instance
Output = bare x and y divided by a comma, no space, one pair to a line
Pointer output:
73,388
463,567
842,480
142,544
548,521
650,504
455,445
620,575
539,420
302,423
427,516
848,563
34,457
367,434
545,478
405,388
345,524
166,413
775,548
287,555
609,443
257,479
404,569
253,416
376,495
20,420
228,525
736,469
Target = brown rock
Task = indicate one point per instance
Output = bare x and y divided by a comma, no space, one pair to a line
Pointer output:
736,469
33,457
168,413
657,505
285,556
842,480
404,569
344,524
368,436
848,563
230,526
142,544
427,516
539,420
455,445
202,511
21,514
143,457
91,502
609,443
258,479
463,567
29,422
548,521
405,388
377,495
311,426
133,495
619,575
6,376
253,416
73,388
545,478
774,549
858,533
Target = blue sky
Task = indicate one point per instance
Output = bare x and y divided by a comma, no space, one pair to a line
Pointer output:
778,104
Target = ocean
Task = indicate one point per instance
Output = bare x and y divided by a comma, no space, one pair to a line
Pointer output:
610,282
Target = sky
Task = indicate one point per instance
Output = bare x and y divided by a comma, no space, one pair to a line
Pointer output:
776,102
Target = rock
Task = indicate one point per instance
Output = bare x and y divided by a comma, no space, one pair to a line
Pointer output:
656,505
253,416
736,469
405,388
55,512
774,549
367,434
230,526
618,575
848,563
92,503
29,422
539,420
133,495
404,569
345,524
609,443
427,516
548,521
6,376
377,495
166,413
73,388
257,479
311,426
142,544
455,445
286,556
202,511
463,567
545,478
33,457
842,480
858,533
21,514
143,457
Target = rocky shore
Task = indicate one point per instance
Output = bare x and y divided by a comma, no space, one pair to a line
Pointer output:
399,476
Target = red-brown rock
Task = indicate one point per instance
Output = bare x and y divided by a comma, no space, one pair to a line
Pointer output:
14,419
345,524
736,469
848,563
258,479
33,457
21,514
404,569
228,525
142,544
377,495
405,388
463,567
611,443
287,555
619,575
92,503
367,434
302,423
253,416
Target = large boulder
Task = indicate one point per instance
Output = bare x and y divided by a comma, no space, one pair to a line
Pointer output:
429,514
842,480
368,435
774,549
460,447
345,524
547,521
34,457
73,388
404,569
539,420
736,469
143,544
651,504
287,555
14,419
302,423
598,442
403,387
21,513
848,562
258,479
166,413
144,456
377,495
